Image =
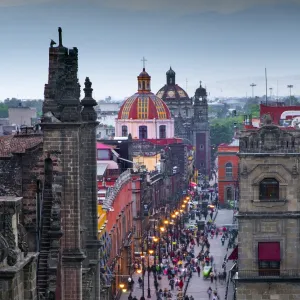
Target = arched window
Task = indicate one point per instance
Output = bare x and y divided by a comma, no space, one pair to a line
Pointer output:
228,170
144,85
229,194
124,130
143,134
162,132
269,189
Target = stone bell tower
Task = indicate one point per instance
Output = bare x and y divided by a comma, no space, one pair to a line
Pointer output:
201,132
69,136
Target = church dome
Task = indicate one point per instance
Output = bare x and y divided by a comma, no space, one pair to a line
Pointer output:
170,72
200,91
172,91
144,105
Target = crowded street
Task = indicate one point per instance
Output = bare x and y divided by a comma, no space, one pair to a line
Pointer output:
198,271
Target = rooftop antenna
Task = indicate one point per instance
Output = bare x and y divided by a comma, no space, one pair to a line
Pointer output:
266,86
60,37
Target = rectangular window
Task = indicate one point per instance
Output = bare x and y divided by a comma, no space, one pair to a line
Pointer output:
103,154
269,258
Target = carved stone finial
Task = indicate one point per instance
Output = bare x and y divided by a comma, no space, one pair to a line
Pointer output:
88,88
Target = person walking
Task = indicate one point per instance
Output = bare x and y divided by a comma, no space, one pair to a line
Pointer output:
198,270
130,297
209,292
171,283
212,275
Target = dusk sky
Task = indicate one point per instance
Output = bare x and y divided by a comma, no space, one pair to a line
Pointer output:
225,43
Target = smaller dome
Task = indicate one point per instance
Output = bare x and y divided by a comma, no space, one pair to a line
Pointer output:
201,91
170,72
144,74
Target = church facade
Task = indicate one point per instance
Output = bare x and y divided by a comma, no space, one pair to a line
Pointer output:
191,119
144,115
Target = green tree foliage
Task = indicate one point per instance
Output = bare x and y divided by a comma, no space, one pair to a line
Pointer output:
3,110
222,131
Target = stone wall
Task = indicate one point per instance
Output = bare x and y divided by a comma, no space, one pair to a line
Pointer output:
283,230
268,291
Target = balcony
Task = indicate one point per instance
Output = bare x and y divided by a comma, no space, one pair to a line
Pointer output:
268,275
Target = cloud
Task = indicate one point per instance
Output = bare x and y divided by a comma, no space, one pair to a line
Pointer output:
192,6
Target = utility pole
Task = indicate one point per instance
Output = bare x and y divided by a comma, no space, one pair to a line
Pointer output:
252,86
290,86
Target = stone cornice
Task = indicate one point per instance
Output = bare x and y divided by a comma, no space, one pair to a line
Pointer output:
260,215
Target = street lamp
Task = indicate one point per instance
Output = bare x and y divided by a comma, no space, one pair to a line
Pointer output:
143,274
122,286
149,291
290,86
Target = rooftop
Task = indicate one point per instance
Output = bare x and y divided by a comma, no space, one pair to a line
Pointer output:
19,143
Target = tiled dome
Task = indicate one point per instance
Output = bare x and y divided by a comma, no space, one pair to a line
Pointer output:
142,106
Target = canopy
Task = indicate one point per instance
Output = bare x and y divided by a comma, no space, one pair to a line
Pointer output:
234,254
269,251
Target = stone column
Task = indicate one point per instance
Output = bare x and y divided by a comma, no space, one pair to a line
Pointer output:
88,195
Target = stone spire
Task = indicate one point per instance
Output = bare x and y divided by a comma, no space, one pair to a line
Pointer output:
88,102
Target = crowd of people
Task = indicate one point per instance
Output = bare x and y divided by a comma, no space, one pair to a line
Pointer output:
180,262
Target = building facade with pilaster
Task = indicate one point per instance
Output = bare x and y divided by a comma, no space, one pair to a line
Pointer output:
268,265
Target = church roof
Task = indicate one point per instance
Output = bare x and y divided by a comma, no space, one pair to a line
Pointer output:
141,106
172,92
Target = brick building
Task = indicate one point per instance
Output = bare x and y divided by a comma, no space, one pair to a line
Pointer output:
228,163
268,219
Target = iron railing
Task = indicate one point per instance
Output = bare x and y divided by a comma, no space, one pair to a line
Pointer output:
268,273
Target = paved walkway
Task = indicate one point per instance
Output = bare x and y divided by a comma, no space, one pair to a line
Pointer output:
198,285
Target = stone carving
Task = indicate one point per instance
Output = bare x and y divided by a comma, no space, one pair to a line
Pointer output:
4,247
268,227
8,231
22,244
12,257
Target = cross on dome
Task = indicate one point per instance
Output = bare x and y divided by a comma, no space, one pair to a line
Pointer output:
144,62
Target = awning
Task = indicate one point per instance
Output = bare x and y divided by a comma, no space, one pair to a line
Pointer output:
234,254
101,168
269,251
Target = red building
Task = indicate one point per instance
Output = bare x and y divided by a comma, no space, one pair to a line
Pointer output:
118,203
228,162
